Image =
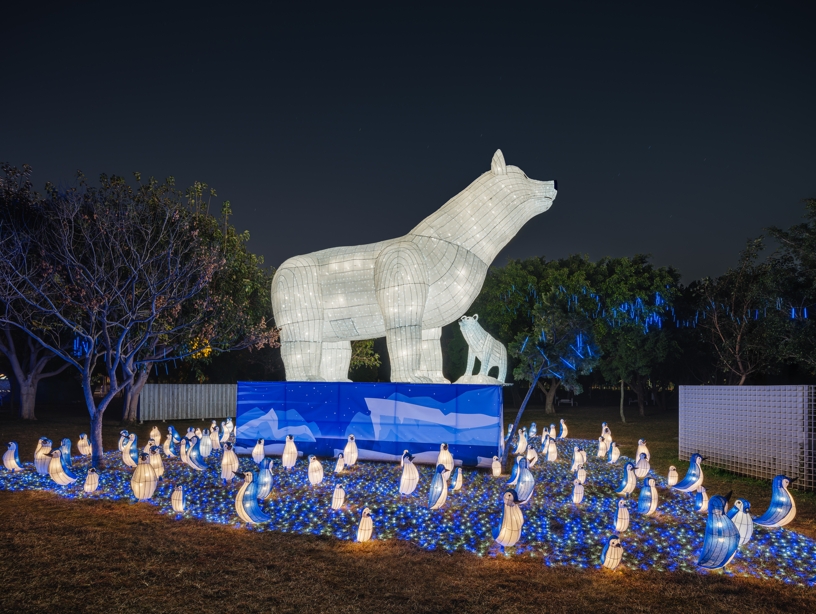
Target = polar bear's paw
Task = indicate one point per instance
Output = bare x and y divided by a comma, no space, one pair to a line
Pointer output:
413,378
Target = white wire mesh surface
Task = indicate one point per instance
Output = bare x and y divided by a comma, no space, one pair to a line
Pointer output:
758,431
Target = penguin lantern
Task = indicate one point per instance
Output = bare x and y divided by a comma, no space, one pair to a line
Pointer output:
91,481
602,448
606,433
622,516
366,526
642,449
338,497
177,499
205,445
41,456
722,538
672,478
495,467
410,475
614,453
701,500
552,450
532,456
194,456
264,478
445,458
59,471
173,434
577,492
350,452
514,473
65,449
290,453
694,475
84,446
246,502
579,457
155,435
564,430
340,465
438,492
642,466
521,448
130,451
315,471
11,459
167,446
628,481
229,463
612,553
144,479
258,451
533,430
226,430
580,474
552,433
456,479
123,437
742,520
525,484
647,501
156,461
215,440
782,509
511,522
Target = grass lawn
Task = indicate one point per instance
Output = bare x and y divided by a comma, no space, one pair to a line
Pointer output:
103,556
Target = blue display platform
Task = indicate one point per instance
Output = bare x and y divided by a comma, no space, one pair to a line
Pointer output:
385,419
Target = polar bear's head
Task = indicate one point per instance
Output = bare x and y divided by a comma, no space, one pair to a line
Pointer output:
472,331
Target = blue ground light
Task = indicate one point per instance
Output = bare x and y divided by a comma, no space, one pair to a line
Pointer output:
555,529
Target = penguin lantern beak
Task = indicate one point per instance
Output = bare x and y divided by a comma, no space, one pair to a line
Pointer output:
792,480
728,496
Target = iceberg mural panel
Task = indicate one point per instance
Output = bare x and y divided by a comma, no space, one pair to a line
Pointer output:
385,418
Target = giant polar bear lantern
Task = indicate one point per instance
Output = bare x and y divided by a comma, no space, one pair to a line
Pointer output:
405,289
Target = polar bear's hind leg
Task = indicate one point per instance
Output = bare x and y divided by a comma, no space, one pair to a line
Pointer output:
431,361
334,361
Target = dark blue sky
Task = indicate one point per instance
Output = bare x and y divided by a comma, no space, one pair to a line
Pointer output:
676,129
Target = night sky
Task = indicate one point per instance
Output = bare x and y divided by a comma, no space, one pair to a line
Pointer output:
677,129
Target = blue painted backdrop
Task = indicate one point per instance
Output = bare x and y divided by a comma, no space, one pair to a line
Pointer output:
385,418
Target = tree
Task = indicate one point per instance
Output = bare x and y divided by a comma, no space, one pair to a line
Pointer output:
126,272
737,311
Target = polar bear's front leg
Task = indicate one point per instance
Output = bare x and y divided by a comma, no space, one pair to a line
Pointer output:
402,288
430,365
335,358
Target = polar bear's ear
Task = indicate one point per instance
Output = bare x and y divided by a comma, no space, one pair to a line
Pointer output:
475,317
497,165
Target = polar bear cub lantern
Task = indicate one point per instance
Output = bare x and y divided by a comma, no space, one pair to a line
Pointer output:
481,345
405,289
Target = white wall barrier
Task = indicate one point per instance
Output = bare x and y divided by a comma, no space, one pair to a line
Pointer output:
187,401
757,431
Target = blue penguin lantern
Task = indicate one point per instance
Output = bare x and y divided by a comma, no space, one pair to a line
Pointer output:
694,475
740,516
264,478
628,481
509,529
65,451
721,536
647,502
246,501
782,509
533,430
194,456
438,492
525,485
11,458
701,500
410,475
612,553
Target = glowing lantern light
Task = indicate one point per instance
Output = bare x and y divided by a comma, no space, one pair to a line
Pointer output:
340,464
91,481
366,527
155,435
532,457
606,433
226,430
580,474
264,478
642,449
525,484
169,452
722,538
628,482
577,492
552,431
496,467
552,450
205,445
194,456
11,458
612,553
456,479
579,457
84,446
123,439
438,492
191,432
642,466
156,461
177,499
173,434
144,479
290,453
215,442
694,475
509,530
782,509
150,443
614,452
533,430
42,456
701,500
521,448
672,478
183,451
258,452
445,458
350,452
602,447
315,471
59,470
229,463
514,472
338,497
130,451
410,475
564,430
647,502
246,502
742,520
622,516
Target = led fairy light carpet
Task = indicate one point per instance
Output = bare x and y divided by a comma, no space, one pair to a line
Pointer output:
555,530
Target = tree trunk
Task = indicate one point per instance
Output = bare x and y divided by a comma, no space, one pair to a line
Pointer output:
96,439
28,397
640,391
660,399
518,417
549,396
132,392
623,417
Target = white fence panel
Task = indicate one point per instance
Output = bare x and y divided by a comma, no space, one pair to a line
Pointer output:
187,401
758,431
